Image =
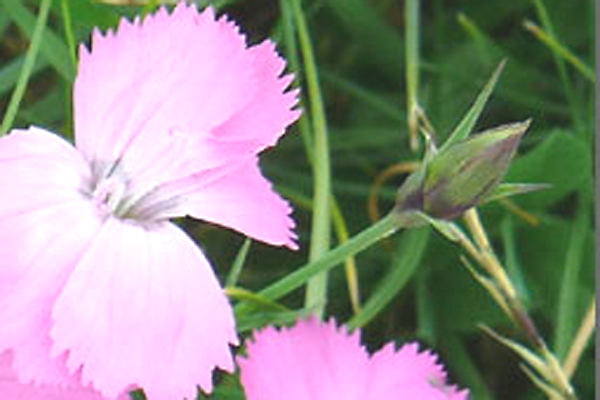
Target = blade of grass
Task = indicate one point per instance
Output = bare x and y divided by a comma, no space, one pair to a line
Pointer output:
560,64
253,298
349,264
406,260
292,55
426,308
68,27
305,128
560,50
51,46
521,72
238,263
255,320
28,66
567,302
341,230
316,292
513,266
487,48
366,96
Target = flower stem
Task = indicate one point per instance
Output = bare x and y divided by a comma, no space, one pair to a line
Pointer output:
412,11
383,228
316,291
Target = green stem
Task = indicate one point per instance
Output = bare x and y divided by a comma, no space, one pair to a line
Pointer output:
28,65
412,12
68,27
382,229
316,292
291,47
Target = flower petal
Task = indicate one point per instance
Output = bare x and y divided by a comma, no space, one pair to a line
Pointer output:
417,375
38,168
143,307
316,361
184,85
42,174
12,389
310,361
36,257
241,199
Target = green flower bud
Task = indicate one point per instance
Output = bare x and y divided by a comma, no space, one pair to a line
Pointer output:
463,175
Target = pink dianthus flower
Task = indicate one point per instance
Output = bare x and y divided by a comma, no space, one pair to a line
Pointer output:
12,389
97,287
319,361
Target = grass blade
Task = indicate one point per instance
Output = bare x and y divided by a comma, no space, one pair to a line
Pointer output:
28,66
406,261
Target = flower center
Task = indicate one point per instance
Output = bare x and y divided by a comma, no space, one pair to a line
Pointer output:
112,193
109,195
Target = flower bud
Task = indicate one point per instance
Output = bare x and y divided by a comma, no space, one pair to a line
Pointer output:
463,175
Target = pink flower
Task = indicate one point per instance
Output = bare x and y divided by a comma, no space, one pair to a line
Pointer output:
95,282
318,361
12,389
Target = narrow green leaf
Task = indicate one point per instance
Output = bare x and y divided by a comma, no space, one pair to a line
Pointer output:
568,315
316,292
38,24
561,50
383,228
527,355
249,321
51,47
489,285
513,265
512,189
466,125
238,264
552,393
253,299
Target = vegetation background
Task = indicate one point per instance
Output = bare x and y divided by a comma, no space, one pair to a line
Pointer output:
413,286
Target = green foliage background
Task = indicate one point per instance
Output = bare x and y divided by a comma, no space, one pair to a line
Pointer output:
415,282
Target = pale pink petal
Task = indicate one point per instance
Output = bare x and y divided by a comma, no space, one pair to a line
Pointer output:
265,118
38,168
310,361
152,84
241,199
12,389
45,224
417,375
39,250
143,307
317,361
